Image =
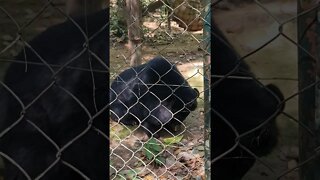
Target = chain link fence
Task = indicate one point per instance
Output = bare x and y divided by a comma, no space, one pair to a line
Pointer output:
54,95
157,106
259,129
53,91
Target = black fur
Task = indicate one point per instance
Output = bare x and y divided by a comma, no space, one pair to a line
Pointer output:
55,111
244,104
152,95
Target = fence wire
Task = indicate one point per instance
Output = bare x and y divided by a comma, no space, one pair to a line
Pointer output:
54,96
61,76
255,137
156,130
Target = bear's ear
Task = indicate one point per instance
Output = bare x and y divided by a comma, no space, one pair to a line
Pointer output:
197,91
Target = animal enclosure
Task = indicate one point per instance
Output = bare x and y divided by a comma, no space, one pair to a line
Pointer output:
148,97
268,36
57,104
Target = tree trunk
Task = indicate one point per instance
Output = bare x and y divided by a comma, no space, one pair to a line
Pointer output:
133,10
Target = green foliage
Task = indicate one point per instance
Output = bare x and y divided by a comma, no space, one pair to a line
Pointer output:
118,27
172,140
145,3
152,150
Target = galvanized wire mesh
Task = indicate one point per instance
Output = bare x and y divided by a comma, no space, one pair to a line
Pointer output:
36,141
261,34
157,97
54,92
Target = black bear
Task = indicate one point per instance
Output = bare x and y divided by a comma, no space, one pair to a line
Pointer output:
239,105
154,95
54,103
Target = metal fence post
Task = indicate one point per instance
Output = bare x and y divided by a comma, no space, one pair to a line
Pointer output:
207,77
309,101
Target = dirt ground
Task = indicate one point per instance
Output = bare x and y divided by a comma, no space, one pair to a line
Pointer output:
249,27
